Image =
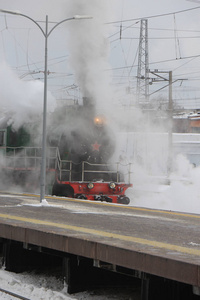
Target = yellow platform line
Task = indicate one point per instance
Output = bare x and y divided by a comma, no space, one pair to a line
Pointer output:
100,233
151,210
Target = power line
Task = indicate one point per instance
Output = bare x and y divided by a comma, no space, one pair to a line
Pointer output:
169,29
159,38
156,16
162,61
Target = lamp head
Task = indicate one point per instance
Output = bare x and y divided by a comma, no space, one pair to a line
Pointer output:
13,12
78,17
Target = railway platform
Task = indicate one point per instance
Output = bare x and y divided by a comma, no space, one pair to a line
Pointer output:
161,248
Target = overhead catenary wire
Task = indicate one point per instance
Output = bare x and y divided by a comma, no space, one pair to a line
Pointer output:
32,67
156,16
160,38
17,44
50,59
130,67
177,45
176,38
161,61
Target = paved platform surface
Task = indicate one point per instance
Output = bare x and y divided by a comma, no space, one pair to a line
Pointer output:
162,243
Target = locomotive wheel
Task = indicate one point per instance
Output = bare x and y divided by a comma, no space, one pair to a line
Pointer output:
81,196
124,200
108,199
63,190
55,189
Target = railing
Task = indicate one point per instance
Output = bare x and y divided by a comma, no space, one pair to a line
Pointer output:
100,169
85,171
28,157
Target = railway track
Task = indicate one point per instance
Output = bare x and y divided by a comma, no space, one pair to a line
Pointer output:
15,296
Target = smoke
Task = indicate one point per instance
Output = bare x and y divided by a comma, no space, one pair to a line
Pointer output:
89,51
154,185
179,191
23,100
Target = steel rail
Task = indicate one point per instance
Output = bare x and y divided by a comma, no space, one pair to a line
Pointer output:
13,294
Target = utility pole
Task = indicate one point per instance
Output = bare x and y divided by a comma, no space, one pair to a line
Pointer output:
160,77
170,143
143,65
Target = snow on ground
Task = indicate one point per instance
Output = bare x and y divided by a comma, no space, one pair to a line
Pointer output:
32,286
39,287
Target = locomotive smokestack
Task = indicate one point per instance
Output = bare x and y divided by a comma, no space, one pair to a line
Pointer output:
88,102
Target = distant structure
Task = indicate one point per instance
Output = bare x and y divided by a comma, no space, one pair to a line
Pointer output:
197,1
143,65
187,122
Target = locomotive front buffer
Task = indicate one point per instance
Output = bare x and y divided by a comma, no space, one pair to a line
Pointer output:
97,191
82,185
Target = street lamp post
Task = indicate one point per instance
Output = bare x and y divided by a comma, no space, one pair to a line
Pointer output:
46,34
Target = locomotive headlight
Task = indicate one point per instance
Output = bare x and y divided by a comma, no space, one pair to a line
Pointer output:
112,185
99,121
90,185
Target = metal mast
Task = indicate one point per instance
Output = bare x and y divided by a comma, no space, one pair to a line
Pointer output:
143,65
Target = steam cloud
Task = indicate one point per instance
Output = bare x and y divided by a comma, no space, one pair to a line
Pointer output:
21,100
89,50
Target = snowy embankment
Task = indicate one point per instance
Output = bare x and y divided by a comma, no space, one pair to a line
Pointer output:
40,287
33,286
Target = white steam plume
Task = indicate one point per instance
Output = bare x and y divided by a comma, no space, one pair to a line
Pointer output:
89,50
23,100
182,194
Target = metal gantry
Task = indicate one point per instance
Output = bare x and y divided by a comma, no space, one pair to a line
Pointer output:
143,64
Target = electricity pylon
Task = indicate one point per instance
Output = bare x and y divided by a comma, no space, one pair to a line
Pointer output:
143,65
